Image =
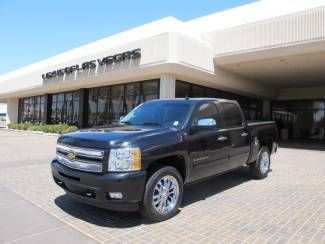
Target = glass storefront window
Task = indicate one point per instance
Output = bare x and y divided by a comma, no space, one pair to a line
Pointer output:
117,103
212,92
197,91
31,109
132,96
108,104
252,107
68,109
182,89
32,106
92,106
65,108
75,112
105,104
303,119
75,117
42,109
116,109
59,110
53,108
150,90
36,112
98,106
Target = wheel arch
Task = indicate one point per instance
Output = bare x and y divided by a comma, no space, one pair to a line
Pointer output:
267,142
177,161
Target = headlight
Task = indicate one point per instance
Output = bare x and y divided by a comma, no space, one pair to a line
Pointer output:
124,159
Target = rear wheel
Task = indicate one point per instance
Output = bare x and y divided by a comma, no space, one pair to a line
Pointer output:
163,194
261,167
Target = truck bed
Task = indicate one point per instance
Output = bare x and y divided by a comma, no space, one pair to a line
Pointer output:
261,131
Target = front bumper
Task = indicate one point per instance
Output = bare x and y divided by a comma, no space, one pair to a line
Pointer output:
94,188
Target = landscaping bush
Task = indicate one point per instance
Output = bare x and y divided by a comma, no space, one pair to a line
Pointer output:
56,128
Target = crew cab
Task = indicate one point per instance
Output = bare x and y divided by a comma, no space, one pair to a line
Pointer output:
143,162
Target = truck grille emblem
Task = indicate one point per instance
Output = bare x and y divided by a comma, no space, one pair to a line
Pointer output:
71,156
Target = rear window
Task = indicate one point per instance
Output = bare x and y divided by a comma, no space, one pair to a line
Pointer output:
232,115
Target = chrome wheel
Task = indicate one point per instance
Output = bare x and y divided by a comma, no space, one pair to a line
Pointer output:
265,162
165,194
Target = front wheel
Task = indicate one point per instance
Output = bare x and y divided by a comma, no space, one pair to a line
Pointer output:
261,167
163,194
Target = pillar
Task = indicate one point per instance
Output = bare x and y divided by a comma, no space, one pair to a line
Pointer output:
47,109
83,108
167,86
12,110
267,110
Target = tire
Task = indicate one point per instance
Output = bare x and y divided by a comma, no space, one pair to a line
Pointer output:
261,167
150,207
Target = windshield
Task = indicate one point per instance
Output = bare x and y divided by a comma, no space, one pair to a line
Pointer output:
166,114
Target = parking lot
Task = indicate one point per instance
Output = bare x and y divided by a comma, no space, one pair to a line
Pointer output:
288,206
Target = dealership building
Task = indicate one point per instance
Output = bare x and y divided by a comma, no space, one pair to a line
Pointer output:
3,112
268,55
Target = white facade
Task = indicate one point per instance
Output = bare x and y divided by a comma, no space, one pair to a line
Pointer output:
271,49
3,108
3,114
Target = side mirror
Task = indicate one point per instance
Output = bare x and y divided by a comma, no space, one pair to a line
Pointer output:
204,124
122,117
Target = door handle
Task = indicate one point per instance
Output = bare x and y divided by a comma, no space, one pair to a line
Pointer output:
222,138
244,134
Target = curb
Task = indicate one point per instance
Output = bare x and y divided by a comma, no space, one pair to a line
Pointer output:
32,132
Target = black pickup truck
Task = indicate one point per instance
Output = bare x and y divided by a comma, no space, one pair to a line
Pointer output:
143,162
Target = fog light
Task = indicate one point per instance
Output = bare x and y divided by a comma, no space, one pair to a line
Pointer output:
115,195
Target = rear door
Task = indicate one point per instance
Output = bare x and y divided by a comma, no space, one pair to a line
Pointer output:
235,124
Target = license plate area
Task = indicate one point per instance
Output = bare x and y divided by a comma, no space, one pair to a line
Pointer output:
76,189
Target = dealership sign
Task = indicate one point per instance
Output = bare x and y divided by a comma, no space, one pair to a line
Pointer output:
117,58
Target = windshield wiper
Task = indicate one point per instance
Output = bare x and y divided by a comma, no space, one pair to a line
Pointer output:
151,123
126,122
144,123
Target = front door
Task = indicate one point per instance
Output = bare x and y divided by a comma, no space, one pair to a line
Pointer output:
207,144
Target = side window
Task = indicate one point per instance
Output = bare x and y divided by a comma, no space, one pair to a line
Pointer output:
208,115
231,115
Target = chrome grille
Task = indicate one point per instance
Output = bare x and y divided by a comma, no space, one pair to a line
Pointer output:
84,159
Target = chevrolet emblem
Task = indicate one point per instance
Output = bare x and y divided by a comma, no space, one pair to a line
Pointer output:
71,156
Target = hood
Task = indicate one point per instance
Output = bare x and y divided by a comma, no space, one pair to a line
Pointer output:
114,136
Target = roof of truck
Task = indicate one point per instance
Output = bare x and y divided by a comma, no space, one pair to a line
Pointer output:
196,99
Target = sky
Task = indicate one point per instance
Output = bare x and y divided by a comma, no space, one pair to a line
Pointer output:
32,30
